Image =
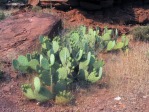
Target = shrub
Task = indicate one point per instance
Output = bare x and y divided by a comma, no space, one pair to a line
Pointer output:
1,74
141,33
2,16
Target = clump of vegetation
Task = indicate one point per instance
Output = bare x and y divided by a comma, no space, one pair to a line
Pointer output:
63,98
36,8
141,33
66,61
2,16
109,40
59,64
1,74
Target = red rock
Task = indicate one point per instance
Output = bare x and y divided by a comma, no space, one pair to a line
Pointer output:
19,33
6,89
143,18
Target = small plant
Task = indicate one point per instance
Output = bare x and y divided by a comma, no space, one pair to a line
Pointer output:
141,33
63,98
2,16
116,45
36,8
40,93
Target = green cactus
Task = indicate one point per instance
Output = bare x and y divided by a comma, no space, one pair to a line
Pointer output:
60,86
44,63
94,76
21,63
125,40
60,63
28,92
74,38
40,93
98,64
110,45
84,64
64,55
79,55
52,59
55,46
62,73
37,84
119,45
43,95
83,30
110,32
106,37
23,60
28,56
45,77
15,64
33,64
83,74
35,55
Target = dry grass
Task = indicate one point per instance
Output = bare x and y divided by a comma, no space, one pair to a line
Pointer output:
129,74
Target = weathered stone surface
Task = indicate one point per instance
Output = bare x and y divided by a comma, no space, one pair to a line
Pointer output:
142,15
19,34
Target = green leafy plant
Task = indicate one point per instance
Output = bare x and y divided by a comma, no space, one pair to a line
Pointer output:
141,33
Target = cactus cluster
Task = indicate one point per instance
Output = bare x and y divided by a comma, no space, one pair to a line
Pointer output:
63,61
58,65
91,39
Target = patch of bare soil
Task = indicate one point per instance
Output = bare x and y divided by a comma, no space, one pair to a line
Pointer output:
126,76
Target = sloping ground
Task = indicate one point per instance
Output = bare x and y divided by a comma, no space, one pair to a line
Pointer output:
20,32
126,77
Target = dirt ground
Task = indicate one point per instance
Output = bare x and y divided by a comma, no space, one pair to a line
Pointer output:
124,87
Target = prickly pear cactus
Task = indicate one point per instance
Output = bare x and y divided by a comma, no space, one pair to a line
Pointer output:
62,62
21,63
40,93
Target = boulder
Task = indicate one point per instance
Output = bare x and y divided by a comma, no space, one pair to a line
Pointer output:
19,34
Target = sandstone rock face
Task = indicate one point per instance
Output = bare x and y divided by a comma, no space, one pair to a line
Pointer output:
19,34
142,15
